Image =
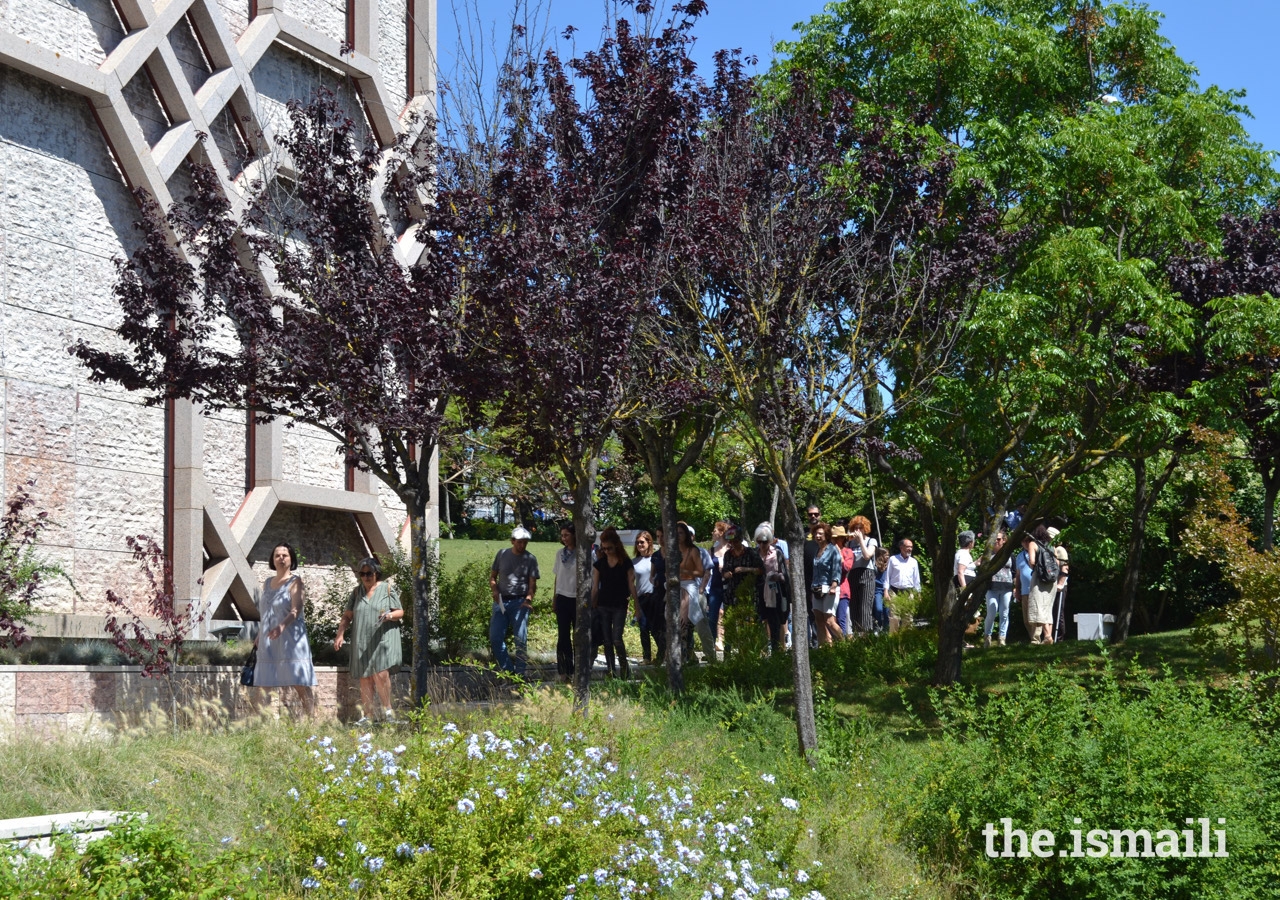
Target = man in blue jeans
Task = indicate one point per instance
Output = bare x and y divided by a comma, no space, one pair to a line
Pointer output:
514,581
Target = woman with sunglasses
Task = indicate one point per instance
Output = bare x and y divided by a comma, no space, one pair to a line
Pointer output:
374,613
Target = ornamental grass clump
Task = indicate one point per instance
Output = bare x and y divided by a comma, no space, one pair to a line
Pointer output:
532,815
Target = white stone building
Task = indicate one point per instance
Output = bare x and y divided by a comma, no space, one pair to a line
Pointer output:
101,96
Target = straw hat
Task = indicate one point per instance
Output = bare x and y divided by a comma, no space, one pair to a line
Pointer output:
837,531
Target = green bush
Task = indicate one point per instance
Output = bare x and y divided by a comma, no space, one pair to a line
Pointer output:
530,814
466,603
1053,753
138,861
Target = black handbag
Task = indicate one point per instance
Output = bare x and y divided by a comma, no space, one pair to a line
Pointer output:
246,673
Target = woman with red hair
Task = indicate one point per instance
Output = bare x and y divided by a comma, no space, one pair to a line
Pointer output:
862,578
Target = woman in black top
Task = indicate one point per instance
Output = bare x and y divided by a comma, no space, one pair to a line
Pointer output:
613,581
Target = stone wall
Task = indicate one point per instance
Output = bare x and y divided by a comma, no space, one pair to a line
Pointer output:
85,117
99,701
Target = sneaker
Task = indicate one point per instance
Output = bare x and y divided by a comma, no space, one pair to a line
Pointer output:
986,642
388,715
362,722
1000,642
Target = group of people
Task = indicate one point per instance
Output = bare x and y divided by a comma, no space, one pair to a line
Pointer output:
848,582
282,652
1036,576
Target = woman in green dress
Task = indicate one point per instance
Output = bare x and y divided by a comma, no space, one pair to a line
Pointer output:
373,612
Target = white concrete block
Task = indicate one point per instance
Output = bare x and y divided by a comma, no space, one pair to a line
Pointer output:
393,55
236,15
85,30
53,492
329,17
119,434
40,420
111,505
283,74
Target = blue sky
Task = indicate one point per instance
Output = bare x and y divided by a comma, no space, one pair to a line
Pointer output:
1227,40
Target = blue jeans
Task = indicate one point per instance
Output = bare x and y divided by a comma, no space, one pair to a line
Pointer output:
880,612
998,597
509,614
842,616
715,603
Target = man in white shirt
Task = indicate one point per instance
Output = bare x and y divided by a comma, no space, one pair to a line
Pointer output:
904,570
903,576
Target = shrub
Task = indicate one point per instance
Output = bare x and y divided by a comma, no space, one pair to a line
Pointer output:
529,814
22,571
1052,753
88,653
139,860
466,603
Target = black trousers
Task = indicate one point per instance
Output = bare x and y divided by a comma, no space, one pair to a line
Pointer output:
566,610
773,618
654,611
613,622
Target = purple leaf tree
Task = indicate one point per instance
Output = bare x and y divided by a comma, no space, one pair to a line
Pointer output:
309,306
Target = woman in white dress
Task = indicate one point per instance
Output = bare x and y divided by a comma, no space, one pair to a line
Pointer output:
284,654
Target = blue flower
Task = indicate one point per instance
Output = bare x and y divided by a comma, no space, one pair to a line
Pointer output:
355,884
404,851
466,805
374,863
320,863
310,883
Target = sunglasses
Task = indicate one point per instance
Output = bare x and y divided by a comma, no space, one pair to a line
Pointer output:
367,574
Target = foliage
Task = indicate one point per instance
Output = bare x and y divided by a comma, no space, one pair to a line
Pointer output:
324,608
138,860
1217,531
1096,142
1056,754
434,817
465,605
22,571
1238,286
156,649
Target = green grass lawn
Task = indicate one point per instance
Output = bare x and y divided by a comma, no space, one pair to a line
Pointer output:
456,554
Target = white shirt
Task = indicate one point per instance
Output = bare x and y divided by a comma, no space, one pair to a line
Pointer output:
861,560
904,573
964,565
565,569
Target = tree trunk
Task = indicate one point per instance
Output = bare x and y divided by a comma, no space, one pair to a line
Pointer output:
425,556
806,724
1144,500
1270,486
584,526
949,609
671,558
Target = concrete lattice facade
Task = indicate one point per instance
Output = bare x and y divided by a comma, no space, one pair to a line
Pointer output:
98,97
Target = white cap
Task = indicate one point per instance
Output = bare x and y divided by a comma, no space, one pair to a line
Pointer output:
521,534
1053,533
